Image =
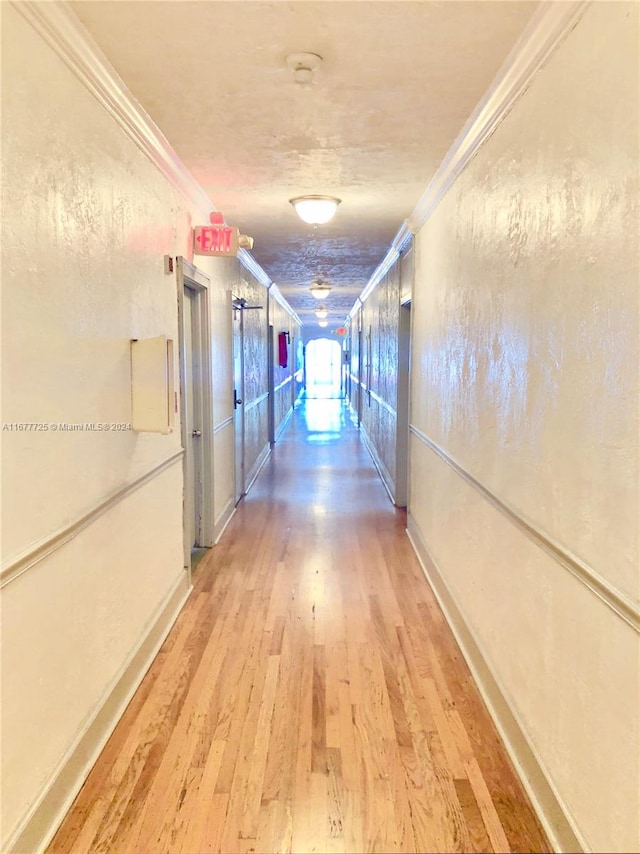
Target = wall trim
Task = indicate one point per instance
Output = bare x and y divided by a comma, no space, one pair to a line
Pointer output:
549,25
283,424
616,600
383,403
549,807
398,244
251,265
63,31
546,30
258,400
41,822
276,293
283,384
14,567
385,477
227,422
258,466
299,397
222,521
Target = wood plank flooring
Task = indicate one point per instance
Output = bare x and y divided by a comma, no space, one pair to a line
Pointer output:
310,697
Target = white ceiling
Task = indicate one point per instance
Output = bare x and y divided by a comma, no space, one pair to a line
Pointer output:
397,83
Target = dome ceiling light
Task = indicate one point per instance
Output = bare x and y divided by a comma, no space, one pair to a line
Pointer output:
316,210
323,323
320,291
321,313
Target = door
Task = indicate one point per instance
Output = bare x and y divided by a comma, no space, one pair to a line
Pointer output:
404,380
196,408
271,384
192,394
293,366
193,411
402,436
238,398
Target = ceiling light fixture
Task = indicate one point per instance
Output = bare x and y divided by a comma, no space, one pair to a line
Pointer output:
321,313
316,210
323,323
303,65
320,291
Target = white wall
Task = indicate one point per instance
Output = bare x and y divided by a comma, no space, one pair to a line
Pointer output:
87,219
525,373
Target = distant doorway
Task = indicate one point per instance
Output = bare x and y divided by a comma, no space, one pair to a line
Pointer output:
323,364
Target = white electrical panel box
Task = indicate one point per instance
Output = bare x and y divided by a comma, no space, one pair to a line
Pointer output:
152,385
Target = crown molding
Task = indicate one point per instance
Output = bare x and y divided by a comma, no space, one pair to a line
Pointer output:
403,236
63,31
251,265
544,33
60,27
274,291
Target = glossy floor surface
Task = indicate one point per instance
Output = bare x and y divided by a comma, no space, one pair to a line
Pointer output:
310,697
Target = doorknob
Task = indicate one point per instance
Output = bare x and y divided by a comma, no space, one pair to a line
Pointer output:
196,433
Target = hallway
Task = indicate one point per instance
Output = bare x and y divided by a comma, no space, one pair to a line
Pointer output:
310,696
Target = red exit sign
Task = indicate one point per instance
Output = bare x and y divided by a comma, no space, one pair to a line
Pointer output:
215,240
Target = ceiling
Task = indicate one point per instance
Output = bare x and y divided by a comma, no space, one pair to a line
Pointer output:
397,83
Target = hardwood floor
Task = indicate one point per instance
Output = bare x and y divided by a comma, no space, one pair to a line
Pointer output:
310,697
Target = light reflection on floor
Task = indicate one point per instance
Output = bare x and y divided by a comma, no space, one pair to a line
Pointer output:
322,390
323,419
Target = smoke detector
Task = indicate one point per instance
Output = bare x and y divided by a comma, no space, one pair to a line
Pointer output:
303,65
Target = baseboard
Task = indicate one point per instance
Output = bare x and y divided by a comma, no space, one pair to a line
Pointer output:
222,521
283,424
385,477
38,827
257,467
548,806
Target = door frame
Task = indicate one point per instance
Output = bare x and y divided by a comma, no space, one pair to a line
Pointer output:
271,406
403,404
403,407
239,425
188,276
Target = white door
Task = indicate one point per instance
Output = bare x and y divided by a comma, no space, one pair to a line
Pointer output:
196,406
402,421
193,417
271,382
238,401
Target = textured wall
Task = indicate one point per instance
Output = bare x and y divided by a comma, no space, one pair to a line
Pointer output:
380,319
525,371
355,362
256,423
282,377
86,221
224,273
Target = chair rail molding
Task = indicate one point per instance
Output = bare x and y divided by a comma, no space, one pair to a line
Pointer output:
15,566
615,599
